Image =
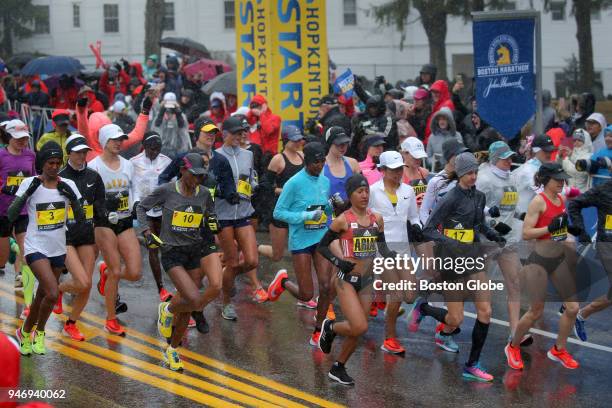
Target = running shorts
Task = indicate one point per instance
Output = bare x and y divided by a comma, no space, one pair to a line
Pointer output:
20,226
186,256
55,261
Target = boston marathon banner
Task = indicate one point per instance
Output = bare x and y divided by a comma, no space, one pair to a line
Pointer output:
504,72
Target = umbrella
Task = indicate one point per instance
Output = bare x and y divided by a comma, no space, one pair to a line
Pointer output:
18,61
207,69
225,83
185,46
53,65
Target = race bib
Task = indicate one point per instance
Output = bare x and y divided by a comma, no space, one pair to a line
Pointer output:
87,209
14,180
462,235
419,187
50,216
187,220
316,224
364,246
608,224
509,199
244,187
119,199
559,235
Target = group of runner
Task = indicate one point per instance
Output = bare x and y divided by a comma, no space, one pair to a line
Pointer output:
195,216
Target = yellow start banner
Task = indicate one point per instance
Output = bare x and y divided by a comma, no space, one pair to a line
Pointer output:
281,53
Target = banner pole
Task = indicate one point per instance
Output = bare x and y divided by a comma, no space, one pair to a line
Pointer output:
539,126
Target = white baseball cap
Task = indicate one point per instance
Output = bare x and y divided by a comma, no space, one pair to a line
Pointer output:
118,106
17,129
391,160
170,100
415,147
108,132
76,143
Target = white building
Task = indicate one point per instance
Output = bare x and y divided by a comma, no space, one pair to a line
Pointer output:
354,39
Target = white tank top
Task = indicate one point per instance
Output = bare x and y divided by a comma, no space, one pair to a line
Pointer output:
118,184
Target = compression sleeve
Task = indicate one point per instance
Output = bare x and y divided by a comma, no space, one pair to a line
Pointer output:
323,247
383,249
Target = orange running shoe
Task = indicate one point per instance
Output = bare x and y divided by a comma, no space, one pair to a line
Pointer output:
164,295
113,327
102,281
331,315
58,309
563,357
275,289
260,296
314,339
72,331
513,355
391,345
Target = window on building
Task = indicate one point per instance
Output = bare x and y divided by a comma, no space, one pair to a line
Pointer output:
76,15
230,18
111,18
557,10
41,20
350,12
168,22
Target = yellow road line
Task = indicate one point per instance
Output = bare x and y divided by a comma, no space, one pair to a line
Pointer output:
167,386
271,384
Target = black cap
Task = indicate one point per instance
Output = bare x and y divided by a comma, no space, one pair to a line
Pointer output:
377,139
355,182
543,142
313,151
553,170
452,148
50,150
233,124
76,143
194,163
329,100
336,135
151,137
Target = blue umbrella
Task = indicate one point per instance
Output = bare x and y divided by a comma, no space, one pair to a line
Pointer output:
53,65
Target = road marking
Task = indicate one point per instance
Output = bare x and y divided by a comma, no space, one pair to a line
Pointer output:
246,388
133,374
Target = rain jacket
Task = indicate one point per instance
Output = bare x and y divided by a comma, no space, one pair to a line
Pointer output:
499,191
598,142
600,197
174,133
444,102
578,179
265,130
364,124
439,136
241,162
218,119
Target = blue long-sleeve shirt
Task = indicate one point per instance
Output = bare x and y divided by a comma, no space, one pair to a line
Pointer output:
604,172
300,194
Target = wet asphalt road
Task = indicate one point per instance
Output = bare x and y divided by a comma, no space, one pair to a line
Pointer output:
265,358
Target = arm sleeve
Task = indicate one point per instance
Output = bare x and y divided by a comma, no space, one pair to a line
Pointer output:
383,249
156,198
589,198
323,247
282,211
439,214
19,201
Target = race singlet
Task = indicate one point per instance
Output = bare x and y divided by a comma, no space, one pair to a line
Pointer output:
50,216
87,209
316,224
244,187
509,199
465,236
187,219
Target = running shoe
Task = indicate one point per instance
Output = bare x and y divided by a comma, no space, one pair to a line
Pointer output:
513,357
260,296
338,373
392,346
311,304
172,358
327,336
102,281
120,307
314,339
113,327
275,289
201,323
71,330
164,295
59,309
563,357
446,343
476,372
38,345
416,317
25,342
14,251
373,309
164,320
579,329
192,323
229,312
331,315
24,313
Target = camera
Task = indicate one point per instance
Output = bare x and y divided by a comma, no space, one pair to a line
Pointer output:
593,166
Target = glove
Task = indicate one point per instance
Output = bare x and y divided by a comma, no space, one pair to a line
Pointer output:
522,216
572,192
134,209
312,215
152,241
502,228
65,190
10,190
212,223
337,201
415,232
36,181
113,217
557,223
581,165
82,101
126,65
494,211
345,266
501,241
233,199
117,66
574,230
147,103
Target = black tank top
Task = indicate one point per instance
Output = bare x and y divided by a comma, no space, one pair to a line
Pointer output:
289,171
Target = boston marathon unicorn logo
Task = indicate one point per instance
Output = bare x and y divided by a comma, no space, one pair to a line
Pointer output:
504,69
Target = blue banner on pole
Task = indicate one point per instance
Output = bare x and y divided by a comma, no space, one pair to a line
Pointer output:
504,72
345,83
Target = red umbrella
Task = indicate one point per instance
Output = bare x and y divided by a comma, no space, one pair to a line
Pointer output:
206,68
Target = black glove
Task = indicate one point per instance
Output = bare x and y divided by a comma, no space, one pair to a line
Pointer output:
557,223
82,101
36,181
345,266
65,190
118,66
522,216
126,65
574,230
10,190
415,232
147,103
494,211
134,216
233,198
501,241
502,228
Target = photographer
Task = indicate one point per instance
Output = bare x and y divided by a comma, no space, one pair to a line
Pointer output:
600,163
171,124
